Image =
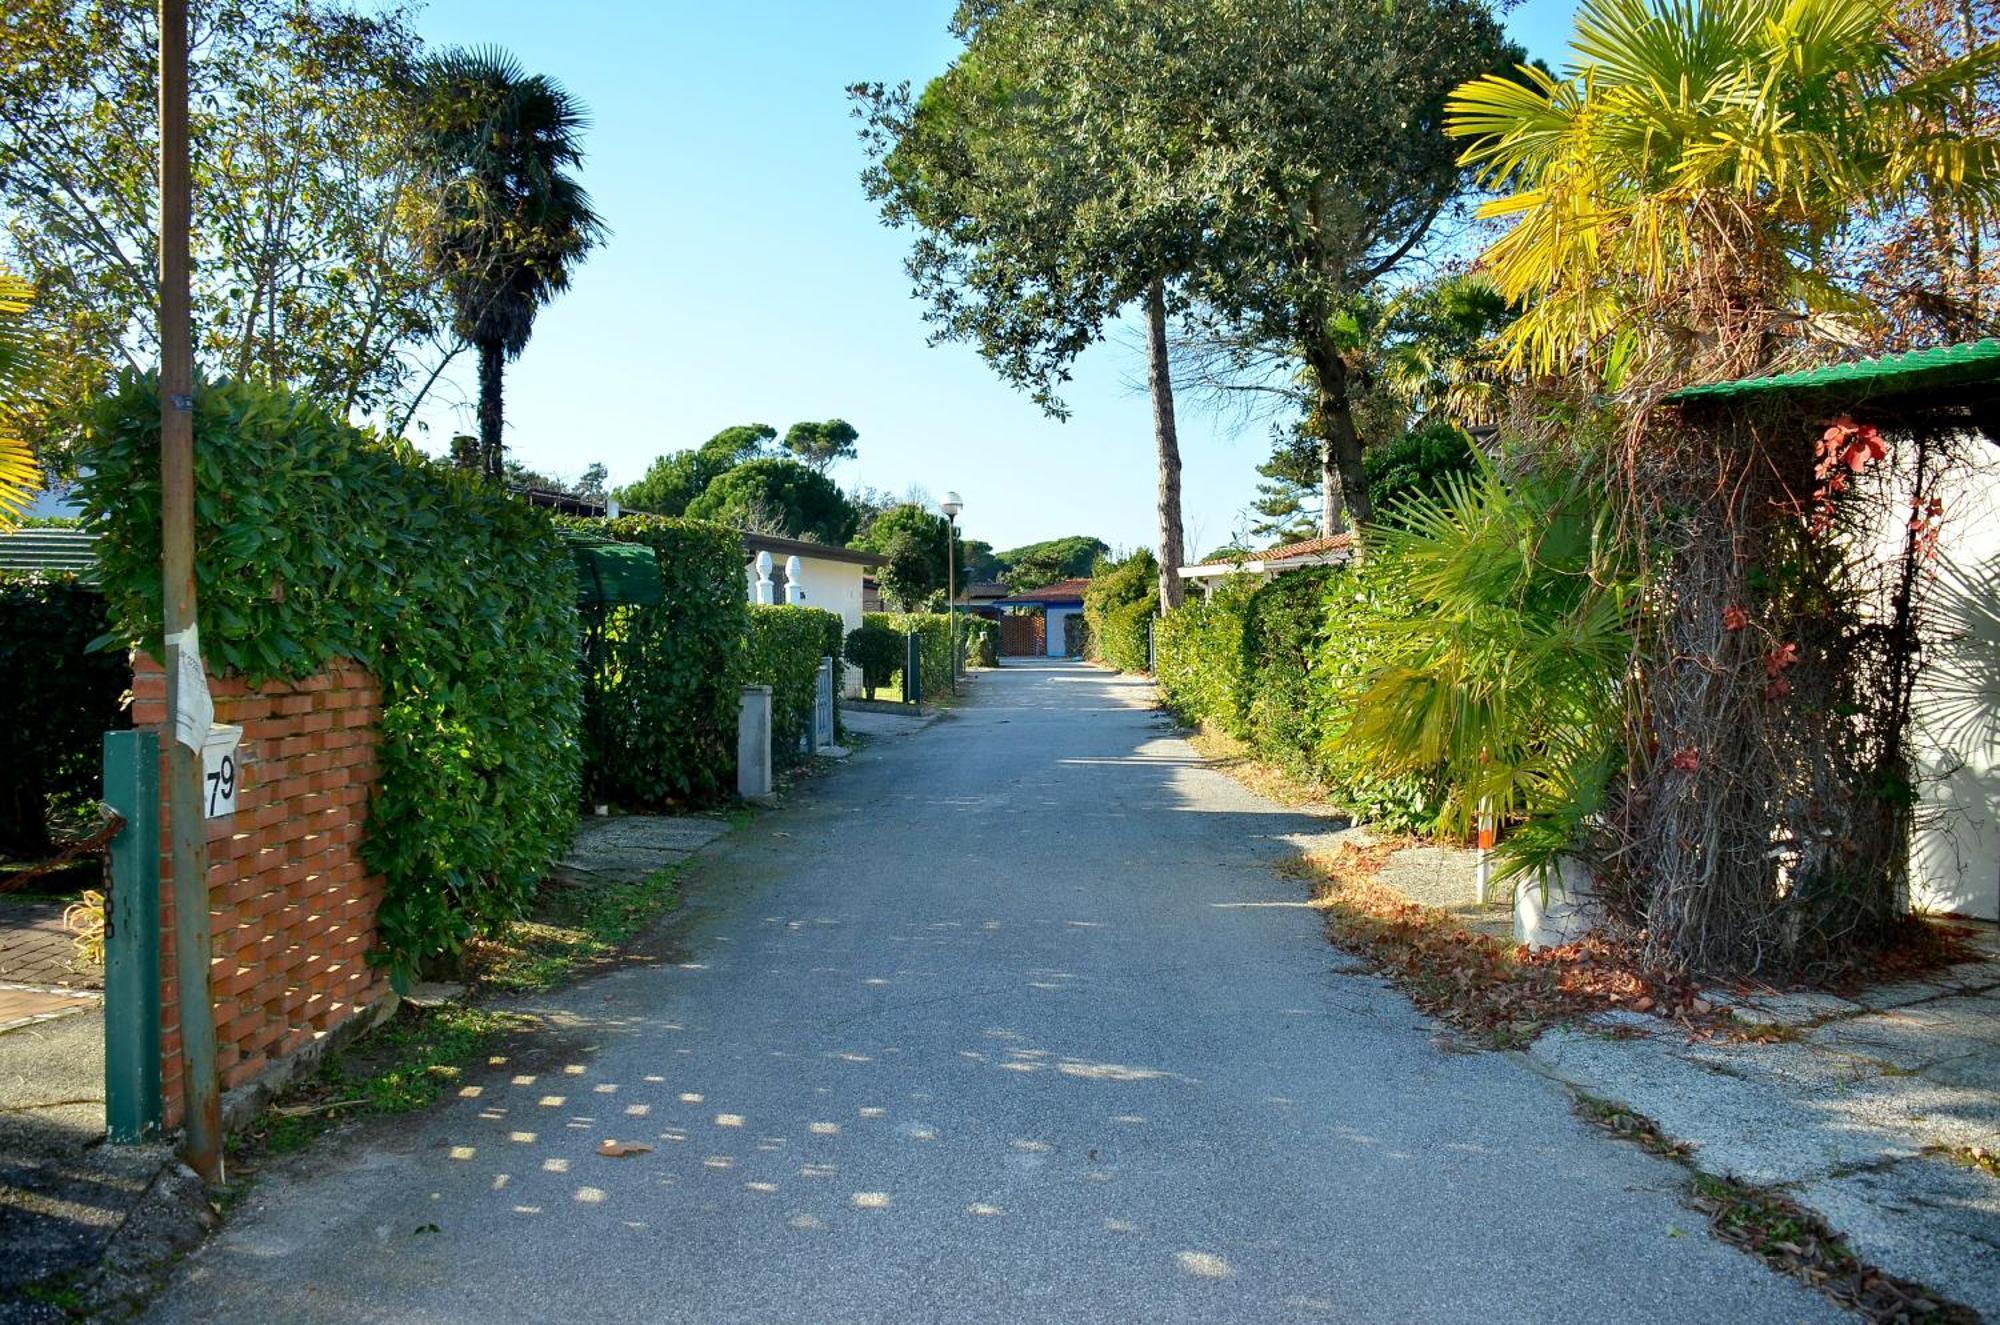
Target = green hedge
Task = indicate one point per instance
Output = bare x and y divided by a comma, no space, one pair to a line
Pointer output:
57,702
321,541
1366,609
786,644
1202,674
878,652
933,632
1279,664
1118,608
661,682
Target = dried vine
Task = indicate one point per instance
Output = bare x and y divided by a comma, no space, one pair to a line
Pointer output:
1766,815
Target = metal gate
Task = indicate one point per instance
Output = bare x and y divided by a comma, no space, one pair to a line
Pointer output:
1023,636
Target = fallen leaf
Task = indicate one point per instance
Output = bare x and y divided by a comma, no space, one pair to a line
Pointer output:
620,1149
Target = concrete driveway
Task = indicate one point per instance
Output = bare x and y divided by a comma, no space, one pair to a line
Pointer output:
1010,1019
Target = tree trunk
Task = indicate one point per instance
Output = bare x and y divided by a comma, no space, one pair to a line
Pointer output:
1160,378
491,367
1343,482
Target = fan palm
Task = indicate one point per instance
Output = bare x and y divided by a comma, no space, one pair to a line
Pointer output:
1439,355
1671,192
1506,677
18,475
508,223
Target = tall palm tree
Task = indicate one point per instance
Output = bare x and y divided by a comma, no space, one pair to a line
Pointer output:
18,474
1671,192
507,223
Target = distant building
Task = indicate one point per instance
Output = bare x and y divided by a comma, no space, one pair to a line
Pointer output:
1332,551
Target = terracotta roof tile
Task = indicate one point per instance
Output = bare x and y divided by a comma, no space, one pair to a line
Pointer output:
1288,551
1060,591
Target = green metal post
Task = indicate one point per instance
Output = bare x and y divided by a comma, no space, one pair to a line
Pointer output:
913,672
132,1105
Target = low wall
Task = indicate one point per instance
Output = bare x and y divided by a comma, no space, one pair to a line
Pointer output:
292,907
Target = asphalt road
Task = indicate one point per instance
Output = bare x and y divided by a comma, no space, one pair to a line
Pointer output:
1010,1019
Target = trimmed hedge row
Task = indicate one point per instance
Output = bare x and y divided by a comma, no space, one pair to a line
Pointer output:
57,701
785,645
322,541
1279,664
1119,604
660,682
933,632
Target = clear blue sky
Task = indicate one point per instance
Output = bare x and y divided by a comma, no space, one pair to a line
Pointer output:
748,280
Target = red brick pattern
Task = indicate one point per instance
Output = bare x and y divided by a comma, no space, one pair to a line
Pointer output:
1023,636
292,907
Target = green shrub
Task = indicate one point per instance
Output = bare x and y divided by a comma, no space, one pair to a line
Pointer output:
878,652
1118,607
1284,627
1364,610
1279,665
320,541
1513,685
786,644
1201,664
57,702
933,632
980,639
661,682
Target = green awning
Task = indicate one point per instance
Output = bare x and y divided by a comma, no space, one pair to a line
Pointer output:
616,575
1970,363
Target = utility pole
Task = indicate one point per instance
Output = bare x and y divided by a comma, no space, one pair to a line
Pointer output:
187,690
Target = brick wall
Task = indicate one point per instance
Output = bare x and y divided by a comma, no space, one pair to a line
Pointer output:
292,908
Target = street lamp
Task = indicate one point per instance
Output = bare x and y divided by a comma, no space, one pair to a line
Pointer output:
951,506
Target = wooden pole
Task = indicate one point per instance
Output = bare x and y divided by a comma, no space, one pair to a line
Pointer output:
201,1108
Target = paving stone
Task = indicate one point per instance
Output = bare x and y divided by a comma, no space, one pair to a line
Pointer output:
1794,1065
1746,1126
433,993
35,948
1978,1071
1934,1221
628,848
1798,1008
1915,1037
24,1007
1916,1109
1881,998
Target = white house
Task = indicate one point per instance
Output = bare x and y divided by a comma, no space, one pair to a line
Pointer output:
1331,551
828,578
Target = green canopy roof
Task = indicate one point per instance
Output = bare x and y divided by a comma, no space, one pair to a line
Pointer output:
1972,362
613,574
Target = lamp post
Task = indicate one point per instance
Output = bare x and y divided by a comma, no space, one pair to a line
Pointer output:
951,506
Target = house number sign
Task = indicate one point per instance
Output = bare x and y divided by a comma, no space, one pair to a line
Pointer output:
220,776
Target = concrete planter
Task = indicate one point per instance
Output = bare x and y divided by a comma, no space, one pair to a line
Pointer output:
1559,910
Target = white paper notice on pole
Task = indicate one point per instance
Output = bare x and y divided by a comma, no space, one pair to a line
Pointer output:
194,711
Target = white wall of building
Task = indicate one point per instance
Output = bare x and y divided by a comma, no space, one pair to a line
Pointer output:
1955,850
832,586
1058,615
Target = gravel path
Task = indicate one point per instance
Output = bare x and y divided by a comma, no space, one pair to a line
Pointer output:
1009,1019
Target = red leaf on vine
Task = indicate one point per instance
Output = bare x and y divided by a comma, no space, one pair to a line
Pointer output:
1687,759
1778,659
1734,618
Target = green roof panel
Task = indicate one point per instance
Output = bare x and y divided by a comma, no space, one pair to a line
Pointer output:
616,575
1890,374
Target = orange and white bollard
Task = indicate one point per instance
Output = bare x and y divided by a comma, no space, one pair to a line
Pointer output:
1484,877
